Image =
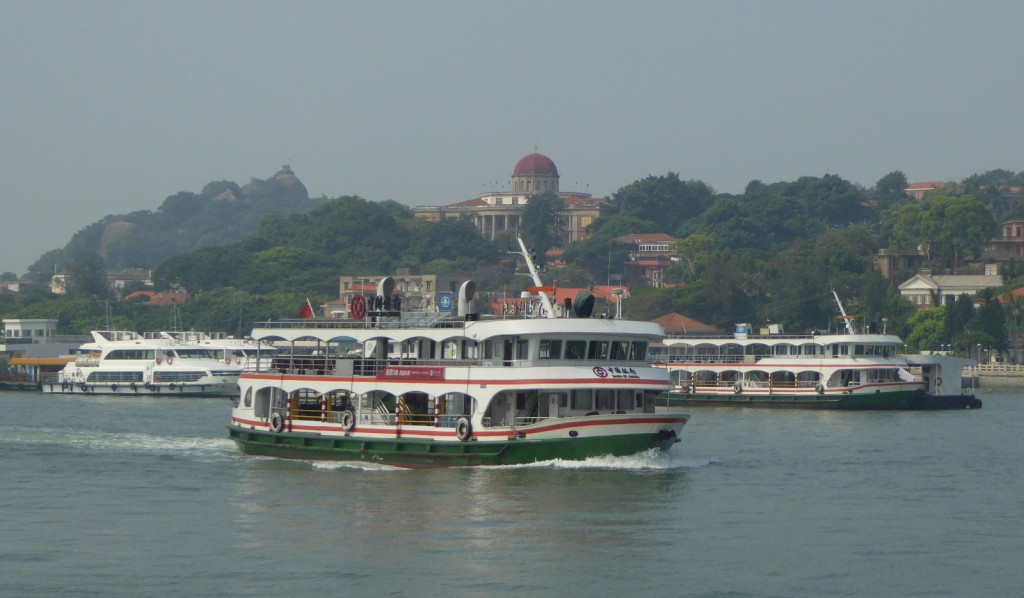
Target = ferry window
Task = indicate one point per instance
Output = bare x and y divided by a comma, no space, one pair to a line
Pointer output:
470,350
625,399
598,350
638,350
193,354
489,350
575,349
605,399
858,350
522,349
449,350
581,400
550,349
620,350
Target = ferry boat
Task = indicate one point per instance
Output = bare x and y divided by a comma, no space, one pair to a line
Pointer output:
428,390
849,369
126,363
245,353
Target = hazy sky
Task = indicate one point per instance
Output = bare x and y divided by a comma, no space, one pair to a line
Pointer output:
110,107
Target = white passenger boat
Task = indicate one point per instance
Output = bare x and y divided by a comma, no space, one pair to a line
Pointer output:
245,353
420,390
126,363
848,369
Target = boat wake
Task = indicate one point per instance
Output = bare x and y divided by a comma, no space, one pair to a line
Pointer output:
121,442
356,465
653,460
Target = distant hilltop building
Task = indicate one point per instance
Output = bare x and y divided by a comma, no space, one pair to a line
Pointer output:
499,211
917,190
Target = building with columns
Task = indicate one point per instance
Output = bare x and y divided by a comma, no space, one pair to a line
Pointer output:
496,212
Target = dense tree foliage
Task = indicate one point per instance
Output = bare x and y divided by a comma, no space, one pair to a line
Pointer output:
539,227
947,228
774,253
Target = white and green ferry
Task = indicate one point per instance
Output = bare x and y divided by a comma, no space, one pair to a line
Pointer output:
845,369
420,390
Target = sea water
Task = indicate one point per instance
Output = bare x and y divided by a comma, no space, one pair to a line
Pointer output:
111,496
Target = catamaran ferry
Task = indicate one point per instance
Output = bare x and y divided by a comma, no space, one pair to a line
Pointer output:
420,390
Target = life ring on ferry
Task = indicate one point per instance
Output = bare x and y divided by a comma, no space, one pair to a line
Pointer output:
82,386
170,360
820,389
348,420
938,381
276,422
738,388
463,429
238,361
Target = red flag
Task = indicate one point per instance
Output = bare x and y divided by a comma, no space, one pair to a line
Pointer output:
307,310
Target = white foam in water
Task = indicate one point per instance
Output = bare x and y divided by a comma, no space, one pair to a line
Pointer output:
360,465
652,460
128,442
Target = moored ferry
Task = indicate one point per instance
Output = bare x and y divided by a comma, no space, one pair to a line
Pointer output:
245,353
425,390
848,369
126,363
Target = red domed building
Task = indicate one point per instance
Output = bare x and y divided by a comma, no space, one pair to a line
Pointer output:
499,211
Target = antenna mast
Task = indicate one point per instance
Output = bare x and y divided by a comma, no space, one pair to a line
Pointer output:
545,300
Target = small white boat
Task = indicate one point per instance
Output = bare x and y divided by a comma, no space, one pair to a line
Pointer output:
424,390
125,363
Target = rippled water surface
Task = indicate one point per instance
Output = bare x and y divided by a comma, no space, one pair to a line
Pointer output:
147,497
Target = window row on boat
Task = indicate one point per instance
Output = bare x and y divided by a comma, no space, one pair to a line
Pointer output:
736,353
783,378
379,407
373,355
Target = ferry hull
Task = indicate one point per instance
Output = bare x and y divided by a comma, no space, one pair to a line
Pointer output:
424,453
895,400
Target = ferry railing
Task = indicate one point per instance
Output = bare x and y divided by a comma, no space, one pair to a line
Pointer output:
529,421
309,414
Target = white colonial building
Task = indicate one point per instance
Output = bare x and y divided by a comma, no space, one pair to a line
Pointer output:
925,289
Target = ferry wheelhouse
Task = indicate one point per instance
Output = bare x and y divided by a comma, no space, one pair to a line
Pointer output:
126,363
423,390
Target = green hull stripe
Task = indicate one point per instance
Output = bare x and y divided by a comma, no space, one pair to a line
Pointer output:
887,400
419,453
